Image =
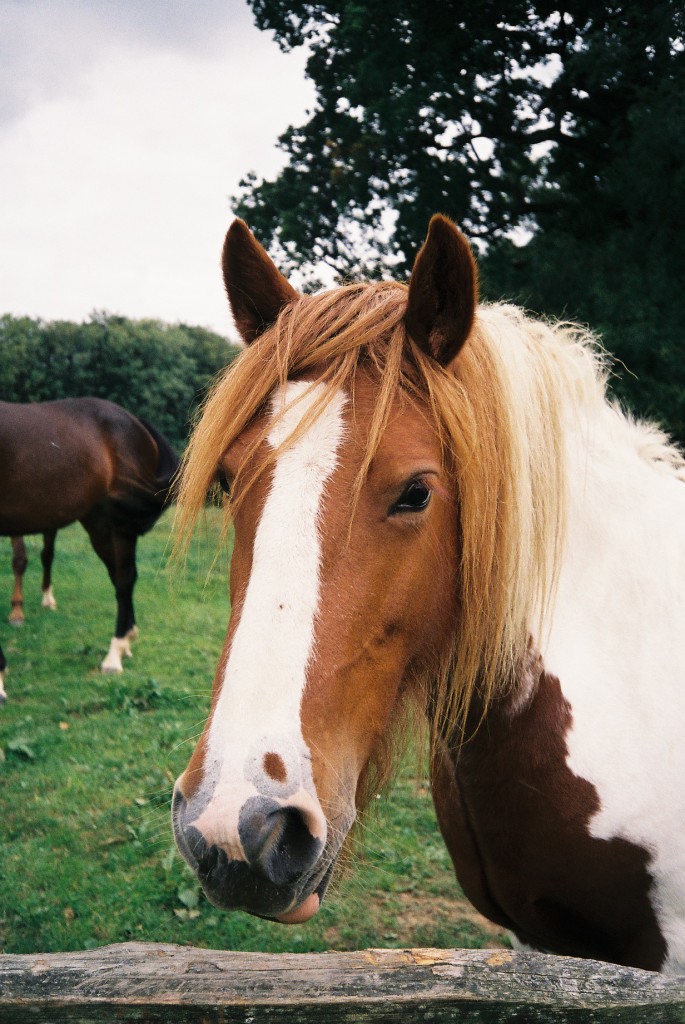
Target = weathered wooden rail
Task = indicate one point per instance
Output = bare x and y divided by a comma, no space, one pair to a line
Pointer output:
164,984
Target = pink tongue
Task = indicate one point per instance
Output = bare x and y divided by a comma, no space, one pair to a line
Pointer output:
301,913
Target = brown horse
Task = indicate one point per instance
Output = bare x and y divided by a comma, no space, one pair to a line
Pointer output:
435,503
86,460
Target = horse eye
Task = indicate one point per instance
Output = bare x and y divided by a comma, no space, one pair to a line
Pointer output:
414,498
222,481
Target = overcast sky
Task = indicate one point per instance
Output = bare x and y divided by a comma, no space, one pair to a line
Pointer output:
125,126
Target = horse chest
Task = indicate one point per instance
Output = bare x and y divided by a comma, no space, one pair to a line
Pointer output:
518,822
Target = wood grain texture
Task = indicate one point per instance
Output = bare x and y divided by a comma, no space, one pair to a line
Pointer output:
166,984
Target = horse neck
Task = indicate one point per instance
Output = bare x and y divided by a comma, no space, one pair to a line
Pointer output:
623,562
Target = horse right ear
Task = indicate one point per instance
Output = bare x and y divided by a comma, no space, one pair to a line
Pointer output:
443,290
256,289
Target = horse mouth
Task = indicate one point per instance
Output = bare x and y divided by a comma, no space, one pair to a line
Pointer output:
310,905
231,884
304,912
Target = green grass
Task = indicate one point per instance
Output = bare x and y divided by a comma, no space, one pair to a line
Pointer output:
87,765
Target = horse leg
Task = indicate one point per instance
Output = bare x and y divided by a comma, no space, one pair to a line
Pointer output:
46,556
124,579
118,553
19,563
3,666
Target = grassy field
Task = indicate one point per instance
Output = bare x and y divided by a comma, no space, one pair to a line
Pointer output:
87,765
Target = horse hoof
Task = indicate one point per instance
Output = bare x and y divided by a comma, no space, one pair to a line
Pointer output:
16,615
49,600
119,648
111,670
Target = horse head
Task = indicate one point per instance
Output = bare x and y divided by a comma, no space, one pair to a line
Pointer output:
343,499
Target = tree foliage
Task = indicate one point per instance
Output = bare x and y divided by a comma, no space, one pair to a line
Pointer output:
502,114
562,127
622,275
154,370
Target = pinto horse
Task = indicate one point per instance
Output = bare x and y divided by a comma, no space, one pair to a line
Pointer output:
435,503
86,460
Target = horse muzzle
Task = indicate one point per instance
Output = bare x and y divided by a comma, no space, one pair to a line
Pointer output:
274,864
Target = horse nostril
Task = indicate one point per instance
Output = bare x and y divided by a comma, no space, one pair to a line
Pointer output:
190,841
277,841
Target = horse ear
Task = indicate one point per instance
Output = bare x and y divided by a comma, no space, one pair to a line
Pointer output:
443,291
256,290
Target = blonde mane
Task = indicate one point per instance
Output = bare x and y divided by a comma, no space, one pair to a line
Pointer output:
500,410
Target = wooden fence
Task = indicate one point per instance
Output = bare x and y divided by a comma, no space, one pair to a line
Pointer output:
165,984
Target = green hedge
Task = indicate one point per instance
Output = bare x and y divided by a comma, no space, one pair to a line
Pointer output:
156,370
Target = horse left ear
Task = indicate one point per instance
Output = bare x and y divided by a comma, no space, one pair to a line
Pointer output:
256,289
443,291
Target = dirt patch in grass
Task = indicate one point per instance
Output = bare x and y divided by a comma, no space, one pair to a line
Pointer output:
420,914
413,919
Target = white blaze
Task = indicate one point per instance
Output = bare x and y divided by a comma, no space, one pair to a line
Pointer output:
258,709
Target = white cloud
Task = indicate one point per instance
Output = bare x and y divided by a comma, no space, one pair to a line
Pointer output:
47,46
115,176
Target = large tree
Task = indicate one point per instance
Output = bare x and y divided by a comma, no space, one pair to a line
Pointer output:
562,127
504,115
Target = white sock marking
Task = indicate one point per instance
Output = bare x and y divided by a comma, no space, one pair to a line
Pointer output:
119,648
